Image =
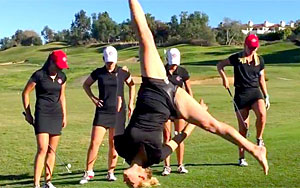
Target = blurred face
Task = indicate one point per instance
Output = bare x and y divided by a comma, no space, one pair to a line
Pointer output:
53,67
134,177
250,51
110,65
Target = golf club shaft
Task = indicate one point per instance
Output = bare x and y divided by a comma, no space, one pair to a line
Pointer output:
61,161
239,113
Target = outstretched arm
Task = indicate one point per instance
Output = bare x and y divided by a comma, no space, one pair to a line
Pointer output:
151,64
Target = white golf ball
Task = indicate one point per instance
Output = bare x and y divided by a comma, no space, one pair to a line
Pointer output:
69,165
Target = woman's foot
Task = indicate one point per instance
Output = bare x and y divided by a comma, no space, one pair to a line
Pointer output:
261,156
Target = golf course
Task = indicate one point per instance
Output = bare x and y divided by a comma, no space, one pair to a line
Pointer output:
211,161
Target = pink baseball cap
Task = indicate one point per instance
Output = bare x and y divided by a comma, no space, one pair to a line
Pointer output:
60,59
252,41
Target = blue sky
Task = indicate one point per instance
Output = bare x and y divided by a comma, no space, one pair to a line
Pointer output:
58,14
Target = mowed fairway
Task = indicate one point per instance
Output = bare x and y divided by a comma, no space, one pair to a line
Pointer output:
211,161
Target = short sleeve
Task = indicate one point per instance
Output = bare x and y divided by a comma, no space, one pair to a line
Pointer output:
185,75
126,75
261,62
94,74
234,59
64,77
35,77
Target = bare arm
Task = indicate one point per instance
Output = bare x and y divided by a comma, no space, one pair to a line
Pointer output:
26,100
151,64
188,88
262,82
131,87
87,88
63,104
220,67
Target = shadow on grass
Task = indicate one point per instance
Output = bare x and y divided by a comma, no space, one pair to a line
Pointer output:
118,47
58,179
157,172
51,49
285,56
20,179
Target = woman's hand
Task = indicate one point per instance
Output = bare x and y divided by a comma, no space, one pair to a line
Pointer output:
29,118
226,83
130,110
201,102
97,102
119,104
64,123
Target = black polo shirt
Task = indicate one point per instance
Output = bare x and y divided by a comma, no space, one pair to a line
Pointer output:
246,75
110,84
48,92
179,76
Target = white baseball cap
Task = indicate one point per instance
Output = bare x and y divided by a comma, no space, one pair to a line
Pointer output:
173,56
110,54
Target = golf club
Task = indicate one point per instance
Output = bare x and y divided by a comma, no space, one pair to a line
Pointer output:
67,166
239,113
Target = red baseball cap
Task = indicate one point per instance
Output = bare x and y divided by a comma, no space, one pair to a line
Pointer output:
252,41
60,59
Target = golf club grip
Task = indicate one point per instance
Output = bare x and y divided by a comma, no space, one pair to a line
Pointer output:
25,116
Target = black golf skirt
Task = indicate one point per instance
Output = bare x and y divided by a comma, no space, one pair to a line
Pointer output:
107,120
245,97
48,124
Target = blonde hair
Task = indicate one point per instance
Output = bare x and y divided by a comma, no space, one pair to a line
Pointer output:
150,181
243,59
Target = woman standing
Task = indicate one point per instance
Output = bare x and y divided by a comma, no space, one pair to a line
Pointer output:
250,89
49,83
180,77
158,99
110,80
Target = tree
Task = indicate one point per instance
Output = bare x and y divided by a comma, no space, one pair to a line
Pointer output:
6,43
104,28
126,33
62,36
31,38
48,34
174,26
229,32
80,28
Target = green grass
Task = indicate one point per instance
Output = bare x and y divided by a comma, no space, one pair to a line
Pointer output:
209,159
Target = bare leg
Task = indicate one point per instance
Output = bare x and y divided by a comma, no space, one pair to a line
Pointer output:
112,153
50,159
151,64
42,140
179,126
196,114
259,109
167,138
98,133
242,129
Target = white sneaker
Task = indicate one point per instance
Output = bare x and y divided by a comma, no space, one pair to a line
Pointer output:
243,162
167,170
88,175
48,185
111,176
182,170
36,186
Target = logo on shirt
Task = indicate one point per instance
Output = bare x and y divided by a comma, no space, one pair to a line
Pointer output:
178,78
59,81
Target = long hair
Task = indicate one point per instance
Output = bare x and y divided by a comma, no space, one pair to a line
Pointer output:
150,181
47,63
